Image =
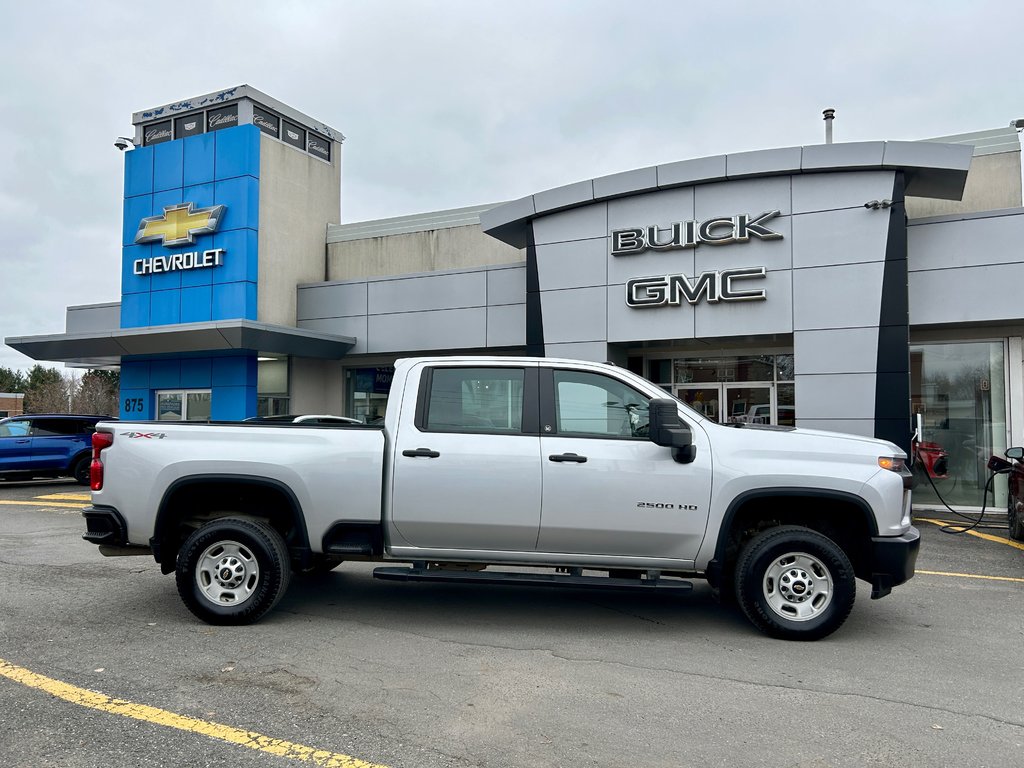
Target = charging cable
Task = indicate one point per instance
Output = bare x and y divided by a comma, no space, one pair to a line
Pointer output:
974,522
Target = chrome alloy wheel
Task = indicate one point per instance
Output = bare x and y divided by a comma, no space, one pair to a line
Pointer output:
797,586
227,573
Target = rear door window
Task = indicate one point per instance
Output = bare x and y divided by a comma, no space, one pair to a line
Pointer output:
476,400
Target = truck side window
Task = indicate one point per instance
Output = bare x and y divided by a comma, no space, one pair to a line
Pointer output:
598,406
476,400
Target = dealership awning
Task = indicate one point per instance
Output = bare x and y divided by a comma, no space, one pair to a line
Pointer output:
108,346
930,169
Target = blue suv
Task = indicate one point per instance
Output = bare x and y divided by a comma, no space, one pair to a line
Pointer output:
47,445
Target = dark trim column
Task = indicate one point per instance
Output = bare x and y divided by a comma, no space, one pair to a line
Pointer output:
534,313
892,382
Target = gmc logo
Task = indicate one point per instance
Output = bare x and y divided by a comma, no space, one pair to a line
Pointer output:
712,286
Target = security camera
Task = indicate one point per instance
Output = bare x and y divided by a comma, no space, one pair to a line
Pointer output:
123,143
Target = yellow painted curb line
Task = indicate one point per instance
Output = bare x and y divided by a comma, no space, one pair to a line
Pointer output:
249,739
971,576
66,496
42,504
986,536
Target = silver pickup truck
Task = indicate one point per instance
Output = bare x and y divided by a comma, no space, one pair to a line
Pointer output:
517,471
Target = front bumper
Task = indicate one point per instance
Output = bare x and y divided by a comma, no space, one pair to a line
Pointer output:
892,561
105,527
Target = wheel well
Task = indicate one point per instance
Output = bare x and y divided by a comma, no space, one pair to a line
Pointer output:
845,520
190,503
86,454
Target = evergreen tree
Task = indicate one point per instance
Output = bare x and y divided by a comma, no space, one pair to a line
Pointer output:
11,380
47,391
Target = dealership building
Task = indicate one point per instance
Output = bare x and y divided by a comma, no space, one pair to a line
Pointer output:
848,287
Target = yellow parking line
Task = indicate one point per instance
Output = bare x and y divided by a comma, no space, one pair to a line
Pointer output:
40,504
986,536
249,739
66,496
971,576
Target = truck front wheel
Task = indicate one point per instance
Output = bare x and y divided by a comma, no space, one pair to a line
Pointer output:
795,584
232,571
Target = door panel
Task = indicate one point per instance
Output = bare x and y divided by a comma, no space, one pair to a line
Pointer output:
476,483
55,441
15,445
629,498
620,494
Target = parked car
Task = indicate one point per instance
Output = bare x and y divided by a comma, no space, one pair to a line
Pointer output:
47,445
1014,471
310,420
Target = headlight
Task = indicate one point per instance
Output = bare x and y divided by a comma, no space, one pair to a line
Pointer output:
897,464
892,463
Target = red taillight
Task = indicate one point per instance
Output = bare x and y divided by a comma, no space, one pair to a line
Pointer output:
100,440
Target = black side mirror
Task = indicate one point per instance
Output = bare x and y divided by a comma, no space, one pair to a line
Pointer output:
1015,453
667,429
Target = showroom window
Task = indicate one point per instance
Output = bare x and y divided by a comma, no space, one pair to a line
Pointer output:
368,390
272,386
183,405
959,390
750,389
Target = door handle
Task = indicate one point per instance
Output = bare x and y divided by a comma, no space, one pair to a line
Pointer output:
421,452
570,457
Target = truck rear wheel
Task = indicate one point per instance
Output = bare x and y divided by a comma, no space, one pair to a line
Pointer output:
795,584
232,571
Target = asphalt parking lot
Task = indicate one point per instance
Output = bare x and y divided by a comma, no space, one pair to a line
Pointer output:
101,664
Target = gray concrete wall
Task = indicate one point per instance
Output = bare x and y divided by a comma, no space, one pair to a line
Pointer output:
299,196
316,386
93,318
461,309
426,251
967,269
993,183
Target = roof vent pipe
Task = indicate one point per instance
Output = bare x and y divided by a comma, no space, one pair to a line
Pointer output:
830,115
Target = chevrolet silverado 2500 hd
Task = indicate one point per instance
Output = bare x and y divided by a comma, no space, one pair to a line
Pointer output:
492,469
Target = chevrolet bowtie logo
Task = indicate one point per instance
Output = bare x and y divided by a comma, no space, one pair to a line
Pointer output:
179,225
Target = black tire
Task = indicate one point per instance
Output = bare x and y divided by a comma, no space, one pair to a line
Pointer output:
232,571
1015,519
795,584
80,470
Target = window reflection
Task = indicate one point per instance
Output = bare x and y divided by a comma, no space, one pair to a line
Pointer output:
959,392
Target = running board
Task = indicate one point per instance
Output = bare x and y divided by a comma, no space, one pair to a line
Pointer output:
531,579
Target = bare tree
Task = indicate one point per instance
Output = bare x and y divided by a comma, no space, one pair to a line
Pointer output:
50,391
96,392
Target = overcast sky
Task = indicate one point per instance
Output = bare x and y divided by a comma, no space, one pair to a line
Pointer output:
450,103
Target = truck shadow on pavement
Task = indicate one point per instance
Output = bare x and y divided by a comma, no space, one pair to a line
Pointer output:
355,596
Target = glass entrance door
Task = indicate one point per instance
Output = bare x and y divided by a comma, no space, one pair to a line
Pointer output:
732,403
705,400
749,404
